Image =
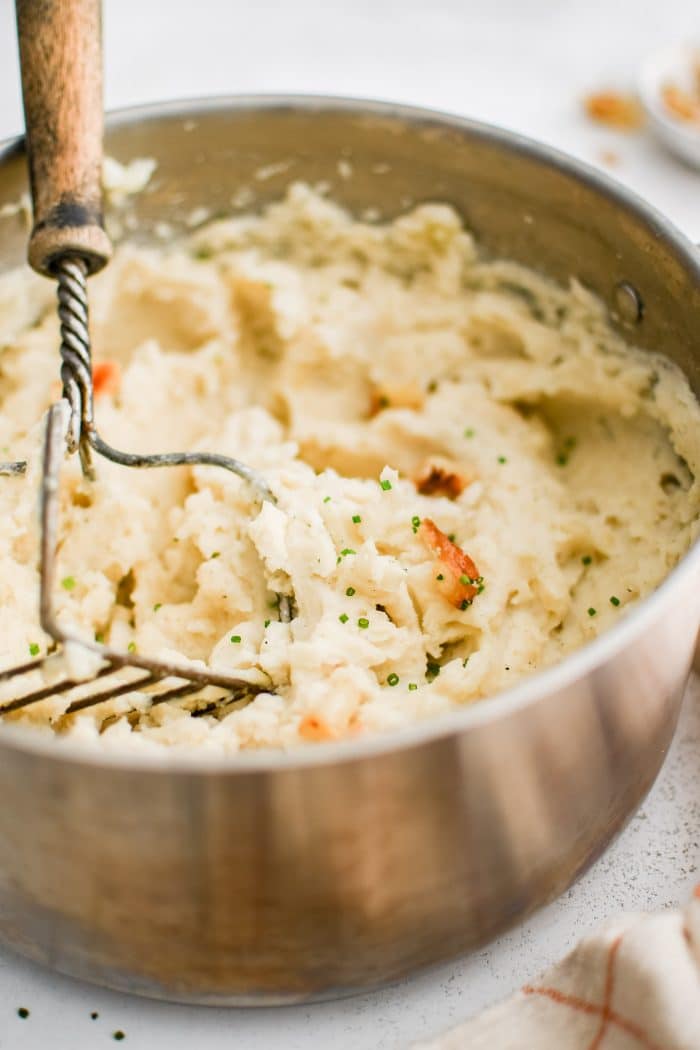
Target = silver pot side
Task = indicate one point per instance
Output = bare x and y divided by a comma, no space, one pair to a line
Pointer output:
295,879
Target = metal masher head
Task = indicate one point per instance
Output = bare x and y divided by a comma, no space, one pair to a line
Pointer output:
68,243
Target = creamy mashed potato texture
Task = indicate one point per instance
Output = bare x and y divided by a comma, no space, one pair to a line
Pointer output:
474,475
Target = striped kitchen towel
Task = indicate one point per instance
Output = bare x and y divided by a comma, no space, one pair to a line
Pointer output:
633,985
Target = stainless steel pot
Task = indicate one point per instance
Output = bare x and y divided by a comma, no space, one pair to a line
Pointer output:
273,878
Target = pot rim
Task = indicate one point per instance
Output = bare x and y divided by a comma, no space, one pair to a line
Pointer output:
578,664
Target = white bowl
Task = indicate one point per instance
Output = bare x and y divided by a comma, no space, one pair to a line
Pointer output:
675,66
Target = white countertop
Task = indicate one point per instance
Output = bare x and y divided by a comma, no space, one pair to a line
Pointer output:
519,63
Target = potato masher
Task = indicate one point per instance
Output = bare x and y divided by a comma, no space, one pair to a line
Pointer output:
61,65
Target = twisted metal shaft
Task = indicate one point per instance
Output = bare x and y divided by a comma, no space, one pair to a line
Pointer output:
76,368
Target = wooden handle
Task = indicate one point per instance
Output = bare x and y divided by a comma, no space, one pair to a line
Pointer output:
61,62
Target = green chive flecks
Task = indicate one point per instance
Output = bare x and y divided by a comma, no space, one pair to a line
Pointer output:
157,606
326,499
586,559
267,623
385,484
469,432
343,617
363,622
415,523
235,639
350,591
412,686
393,679
614,600
347,550
592,611
68,583
131,647
502,459
33,649
356,519
440,577
216,554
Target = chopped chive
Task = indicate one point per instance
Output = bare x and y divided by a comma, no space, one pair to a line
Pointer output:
415,523
33,649
385,484
592,611
99,637
347,550
412,686
326,499
502,459
586,559
68,583
452,536
464,579
216,554
465,604
465,661
432,670
562,459
614,600
235,639
343,617
432,386
357,519
469,432
157,606
393,679
440,576
350,591
363,622
131,647
267,623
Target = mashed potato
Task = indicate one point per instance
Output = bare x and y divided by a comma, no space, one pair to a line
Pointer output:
474,475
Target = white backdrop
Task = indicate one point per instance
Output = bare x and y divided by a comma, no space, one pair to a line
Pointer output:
520,63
